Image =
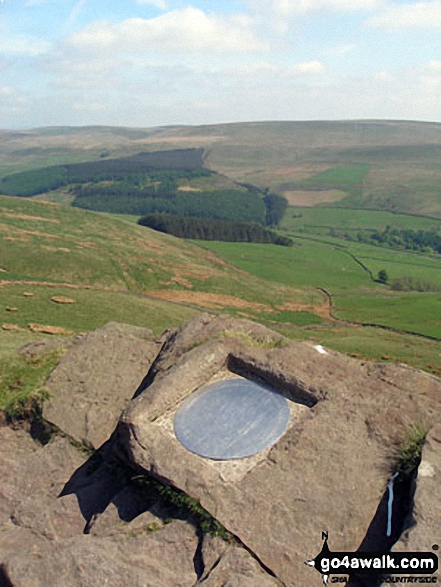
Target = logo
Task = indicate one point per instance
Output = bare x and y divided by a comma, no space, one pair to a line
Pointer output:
375,563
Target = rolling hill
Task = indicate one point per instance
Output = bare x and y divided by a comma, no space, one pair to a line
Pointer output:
343,181
382,165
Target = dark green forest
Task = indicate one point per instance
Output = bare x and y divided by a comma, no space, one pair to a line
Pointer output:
37,181
221,204
216,230
148,183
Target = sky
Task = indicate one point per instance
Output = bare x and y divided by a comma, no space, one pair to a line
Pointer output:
150,63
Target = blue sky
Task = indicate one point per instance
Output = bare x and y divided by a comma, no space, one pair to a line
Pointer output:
159,62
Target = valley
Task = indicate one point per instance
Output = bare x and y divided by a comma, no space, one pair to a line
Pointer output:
343,182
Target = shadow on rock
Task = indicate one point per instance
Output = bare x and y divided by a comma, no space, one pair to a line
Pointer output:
103,480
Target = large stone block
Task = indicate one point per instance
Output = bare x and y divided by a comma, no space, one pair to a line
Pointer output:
328,471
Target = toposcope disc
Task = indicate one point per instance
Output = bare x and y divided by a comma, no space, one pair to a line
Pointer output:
231,419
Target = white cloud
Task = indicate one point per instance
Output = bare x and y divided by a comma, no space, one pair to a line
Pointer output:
157,3
186,30
435,65
289,8
11,101
279,13
24,45
384,76
425,15
340,50
308,68
76,11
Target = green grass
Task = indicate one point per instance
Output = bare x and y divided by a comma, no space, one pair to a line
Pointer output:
297,318
372,344
408,456
92,309
339,177
322,220
22,379
356,297
108,258
414,312
313,264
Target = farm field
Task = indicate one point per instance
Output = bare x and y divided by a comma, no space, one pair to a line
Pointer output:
321,220
356,297
314,264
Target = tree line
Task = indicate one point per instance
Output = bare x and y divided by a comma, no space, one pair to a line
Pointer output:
209,229
425,241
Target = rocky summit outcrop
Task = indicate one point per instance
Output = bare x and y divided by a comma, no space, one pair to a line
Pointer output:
95,381
330,469
425,531
73,516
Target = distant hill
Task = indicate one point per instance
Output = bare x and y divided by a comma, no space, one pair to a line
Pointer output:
384,165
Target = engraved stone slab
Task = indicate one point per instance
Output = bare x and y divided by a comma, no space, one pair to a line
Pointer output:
231,419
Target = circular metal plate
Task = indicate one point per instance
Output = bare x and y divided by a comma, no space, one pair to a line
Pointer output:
231,419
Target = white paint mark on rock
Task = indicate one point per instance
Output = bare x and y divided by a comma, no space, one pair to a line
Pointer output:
320,349
390,504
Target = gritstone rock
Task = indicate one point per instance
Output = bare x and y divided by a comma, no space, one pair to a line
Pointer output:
328,471
96,378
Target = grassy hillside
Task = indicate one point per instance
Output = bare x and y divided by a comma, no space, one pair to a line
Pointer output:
340,178
109,266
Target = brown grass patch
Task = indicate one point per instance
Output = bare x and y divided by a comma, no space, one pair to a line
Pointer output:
182,281
321,310
281,175
44,329
209,300
29,217
13,328
188,188
63,300
22,232
313,197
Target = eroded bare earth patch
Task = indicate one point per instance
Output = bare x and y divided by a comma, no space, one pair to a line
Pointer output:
313,197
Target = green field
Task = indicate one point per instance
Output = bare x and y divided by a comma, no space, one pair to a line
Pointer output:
314,264
322,220
413,312
356,297
339,177
373,344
